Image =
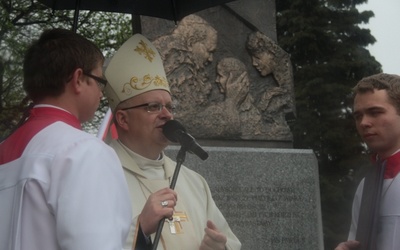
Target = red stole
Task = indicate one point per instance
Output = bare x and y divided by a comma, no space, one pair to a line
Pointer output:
392,165
39,118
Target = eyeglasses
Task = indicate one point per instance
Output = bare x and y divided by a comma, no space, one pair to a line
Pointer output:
154,107
101,82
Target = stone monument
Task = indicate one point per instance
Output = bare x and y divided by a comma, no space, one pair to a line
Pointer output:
270,197
233,88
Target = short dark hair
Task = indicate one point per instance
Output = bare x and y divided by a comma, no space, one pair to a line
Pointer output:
51,60
388,82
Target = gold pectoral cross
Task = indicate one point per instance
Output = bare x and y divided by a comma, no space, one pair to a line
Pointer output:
175,225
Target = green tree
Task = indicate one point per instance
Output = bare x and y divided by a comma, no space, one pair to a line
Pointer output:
21,22
329,55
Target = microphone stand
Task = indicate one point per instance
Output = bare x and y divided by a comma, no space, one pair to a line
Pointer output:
180,158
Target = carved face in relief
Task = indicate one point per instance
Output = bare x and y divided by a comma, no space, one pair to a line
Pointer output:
198,38
232,78
263,52
263,62
222,78
203,50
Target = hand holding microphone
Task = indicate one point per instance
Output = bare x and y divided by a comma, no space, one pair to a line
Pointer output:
175,132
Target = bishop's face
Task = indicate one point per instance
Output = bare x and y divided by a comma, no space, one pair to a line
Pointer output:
143,128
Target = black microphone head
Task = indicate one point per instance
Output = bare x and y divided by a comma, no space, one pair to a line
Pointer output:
170,128
175,132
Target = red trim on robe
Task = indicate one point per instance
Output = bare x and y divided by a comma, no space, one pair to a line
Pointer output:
392,165
39,118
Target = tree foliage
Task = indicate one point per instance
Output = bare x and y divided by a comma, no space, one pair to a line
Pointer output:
329,56
23,21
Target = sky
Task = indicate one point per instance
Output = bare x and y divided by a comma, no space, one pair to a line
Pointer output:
385,27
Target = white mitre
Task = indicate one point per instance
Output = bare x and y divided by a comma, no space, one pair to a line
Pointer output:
136,68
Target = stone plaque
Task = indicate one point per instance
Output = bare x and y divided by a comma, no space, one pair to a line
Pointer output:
270,197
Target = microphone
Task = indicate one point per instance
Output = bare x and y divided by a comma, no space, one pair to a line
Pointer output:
175,132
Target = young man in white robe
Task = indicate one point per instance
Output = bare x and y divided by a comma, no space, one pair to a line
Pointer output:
61,188
377,115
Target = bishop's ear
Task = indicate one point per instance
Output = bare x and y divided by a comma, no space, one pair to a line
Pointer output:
121,119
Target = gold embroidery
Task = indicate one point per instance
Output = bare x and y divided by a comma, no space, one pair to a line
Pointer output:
135,84
142,48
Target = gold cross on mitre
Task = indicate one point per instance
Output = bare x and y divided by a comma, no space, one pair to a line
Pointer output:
143,48
175,225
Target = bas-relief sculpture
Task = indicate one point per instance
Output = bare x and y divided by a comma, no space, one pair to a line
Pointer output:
187,52
268,58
